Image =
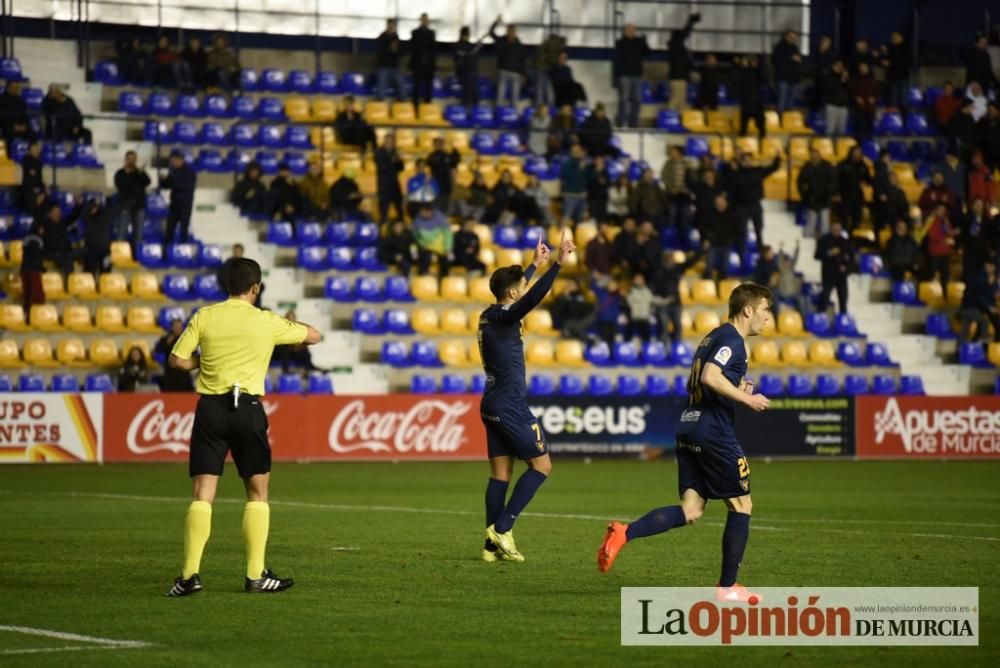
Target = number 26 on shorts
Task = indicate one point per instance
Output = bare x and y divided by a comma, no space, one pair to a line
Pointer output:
744,467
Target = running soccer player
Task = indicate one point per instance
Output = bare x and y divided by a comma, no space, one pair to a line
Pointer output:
236,340
511,430
710,461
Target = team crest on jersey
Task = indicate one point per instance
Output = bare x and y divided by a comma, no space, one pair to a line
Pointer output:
745,484
723,354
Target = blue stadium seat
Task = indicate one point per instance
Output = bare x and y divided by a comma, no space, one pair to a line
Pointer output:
217,106
168,314
939,325
106,72
916,124
657,385
156,206
484,143
244,107
911,385
5,384
670,120
422,384
366,234
215,134
339,289
396,355
297,136
290,383
531,236
696,147
506,236
876,354
157,131
598,354
297,163
510,144
309,234
397,289
210,160
271,109
899,150
131,102
342,259
570,385
654,353
799,385
508,117
84,155
313,258
845,324
629,385
320,383
626,353
615,169
65,382
30,382
281,233
827,385
680,386
482,116
249,81
271,136
56,154
818,324
397,321
268,162
849,353
184,256
206,287
187,105
98,382
974,354
273,80
536,165
340,234
817,121
369,289
770,385
870,149
682,353
186,132
33,99
871,263
915,97
541,385
855,384
366,321
905,292
301,81
453,383
890,123
932,94
367,259
177,287
353,83
477,384
600,386
151,255
268,385
455,114
425,353
883,385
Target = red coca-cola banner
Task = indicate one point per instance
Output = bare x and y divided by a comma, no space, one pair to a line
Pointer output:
157,427
928,427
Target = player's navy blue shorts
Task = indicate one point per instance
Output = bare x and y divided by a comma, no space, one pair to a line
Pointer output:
513,432
715,471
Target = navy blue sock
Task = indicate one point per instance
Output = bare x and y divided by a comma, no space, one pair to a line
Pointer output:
734,542
656,521
496,495
524,491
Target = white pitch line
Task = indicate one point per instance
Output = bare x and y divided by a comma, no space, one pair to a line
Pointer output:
68,648
100,643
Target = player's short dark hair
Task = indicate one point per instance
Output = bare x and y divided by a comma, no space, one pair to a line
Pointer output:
504,278
239,274
747,294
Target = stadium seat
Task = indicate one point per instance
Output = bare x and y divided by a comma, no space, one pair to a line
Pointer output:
425,321
339,289
109,319
395,354
799,385
855,384
846,325
849,353
10,356
281,233
177,287
313,258
790,323
599,354
113,286
626,353
454,288
818,324
453,353
883,385
366,321
541,385
905,292
973,353
121,256
397,321
397,289
876,354
682,353
911,385
454,321
425,288
65,382
629,385
821,353
206,287
570,353
422,384
827,385
654,353
770,385
320,383
30,382
657,385
98,382
705,322
794,353
570,385
540,353
12,318
38,352
670,120
452,383
81,285
425,353
52,286
477,385
44,317
600,386
765,353
369,289
290,383
76,318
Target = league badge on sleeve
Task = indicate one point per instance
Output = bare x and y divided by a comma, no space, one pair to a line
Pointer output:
723,354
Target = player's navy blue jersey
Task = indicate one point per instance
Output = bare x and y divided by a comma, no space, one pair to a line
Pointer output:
501,340
709,416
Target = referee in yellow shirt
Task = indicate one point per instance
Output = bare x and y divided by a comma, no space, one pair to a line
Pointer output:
236,340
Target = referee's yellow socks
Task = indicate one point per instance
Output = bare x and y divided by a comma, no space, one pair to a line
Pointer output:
256,522
197,527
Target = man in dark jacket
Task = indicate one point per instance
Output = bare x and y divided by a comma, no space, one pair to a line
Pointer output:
98,221
443,162
388,165
902,253
648,201
786,59
745,185
346,198
717,239
423,54
709,82
131,182
352,129
31,176
680,63
512,64
546,56
865,96
467,66
836,254
897,70
851,173
979,303
817,185
627,246
466,247
836,91
56,238
388,49
599,254
631,50
747,82
398,247
895,207
180,181
665,284
14,114
596,132
979,67
571,313
63,118
32,268
285,196
704,192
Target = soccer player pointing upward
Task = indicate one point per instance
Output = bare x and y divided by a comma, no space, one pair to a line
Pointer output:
511,429
236,340
710,462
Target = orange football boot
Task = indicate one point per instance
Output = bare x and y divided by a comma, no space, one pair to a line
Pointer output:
614,539
736,594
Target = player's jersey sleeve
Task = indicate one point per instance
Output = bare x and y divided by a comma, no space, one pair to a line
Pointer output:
284,331
189,339
729,353
532,298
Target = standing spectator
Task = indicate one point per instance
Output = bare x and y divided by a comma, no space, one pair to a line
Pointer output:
955,178
595,133
133,61
512,64
534,191
610,306
315,194
180,180
836,255
14,114
250,193
747,83
598,183
169,69
599,254
174,379
902,253
745,184
467,68
680,63
388,165
133,371
131,182
421,188
898,65
817,183
32,268
566,89
719,233
665,283
640,306
197,61
631,50
709,81
388,49
538,130
648,248
963,130
837,95
979,304
546,59
936,193
285,197
466,246
979,66
32,184
789,289
975,93
563,129
865,93
975,246
573,185
649,202
786,59
345,199
63,119
442,163
675,181
626,246
862,56
222,66
980,180
705,191
293,355
618,199
990,131
423,60
434,239
880,188
56,238
98,222
397,247
352,129
851,173
939,235
895,207
571,313
945,106
822,64
767,271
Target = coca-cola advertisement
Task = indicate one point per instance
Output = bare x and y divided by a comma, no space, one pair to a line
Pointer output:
928,427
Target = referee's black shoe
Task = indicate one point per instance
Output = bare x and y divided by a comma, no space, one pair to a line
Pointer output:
184,587
268,583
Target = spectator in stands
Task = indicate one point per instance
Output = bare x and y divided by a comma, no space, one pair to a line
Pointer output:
748,79
131,181
767,272
32,267
388,49
836,255
945,106
963,130
599,254
939,235
421,188
619,194
505,199
745,185
598,183
981,184
222,67
467,68
936,193
133,371
880,188
709,81
181,181
563,129
640,307
631,50
648,248
197,61
979,66
434,239
169,69
397,248
250,193
626,246
286,200
851,173
596,133
705,191
979,304
894,207
788,287
817,182
512,64
388,165
717,236
98,223
472,202
610,306
786,59
174,379
974,242
837,95
296,355
32,184
567,91
442,162
975,93
315,193
674,176
63,119
902,253
680,64
133,61
56,239
862,55
665,283
990,130
345,199
423,62
546,59
573,185
467,246
823,59
14,114
897,64
534,191
571,313
538,130
352,129
955,176
649,202
865,94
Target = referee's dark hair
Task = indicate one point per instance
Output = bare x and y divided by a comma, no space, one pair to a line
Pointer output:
239,275
747,294
504,278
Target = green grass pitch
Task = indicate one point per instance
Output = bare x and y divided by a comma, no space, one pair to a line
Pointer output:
386,562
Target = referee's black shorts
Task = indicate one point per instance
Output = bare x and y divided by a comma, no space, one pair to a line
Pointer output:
220,427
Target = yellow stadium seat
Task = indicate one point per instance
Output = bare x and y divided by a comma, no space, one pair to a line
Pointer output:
425,321
425,288
454,321
766,353
475,359
798,149
453,353
570,353
541,353
146,286
790,323
44,317
53,286
694,120
706,321
930,293
719,121
770,148
142,319
771,121
5,261
794,353
402,113
38,352
793,185
821,353
825,147
121,256
10,357
104,352
795,122
377,113
141,344
113,286
454,288
458,140
509,256
488,257
406,141
425,140
776,186
993,354
297,108
844,146
82,285
12,318
479,290
72,352
684,290
726,287
687,324
110,319
12,284
323,109
431,114
539,322
955,292
704,292
76,318
472,317
748,145
722,148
